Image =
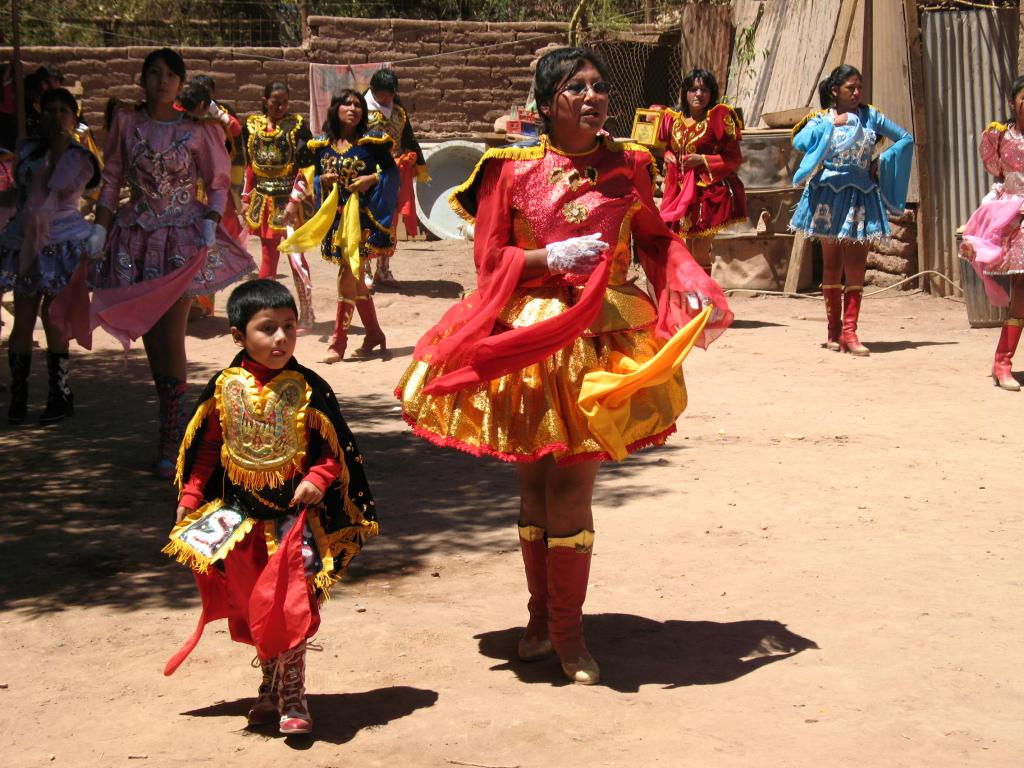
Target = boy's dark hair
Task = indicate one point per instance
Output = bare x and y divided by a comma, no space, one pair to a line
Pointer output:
193,95
384,80
250,297
206,81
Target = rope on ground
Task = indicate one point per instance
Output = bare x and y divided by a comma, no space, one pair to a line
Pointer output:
817,295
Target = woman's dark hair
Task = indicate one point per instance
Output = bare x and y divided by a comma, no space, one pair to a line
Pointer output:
1015,87
171,58
193,95
709,82
839,75
206,81
109,110
65,97
334,123
555,68
62,95
269,88
252,296
384,80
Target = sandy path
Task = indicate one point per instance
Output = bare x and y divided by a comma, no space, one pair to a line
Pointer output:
822,568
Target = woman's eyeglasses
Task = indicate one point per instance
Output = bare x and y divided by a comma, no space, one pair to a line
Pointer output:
577,88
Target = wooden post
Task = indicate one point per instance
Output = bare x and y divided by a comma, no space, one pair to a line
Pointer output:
649,11
19,80
925,246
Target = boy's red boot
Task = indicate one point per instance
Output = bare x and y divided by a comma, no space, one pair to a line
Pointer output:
568,572
264,711
292,705
534,644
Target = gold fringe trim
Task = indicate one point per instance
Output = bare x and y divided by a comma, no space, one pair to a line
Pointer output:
190,434
997,126
186,555
318,142
714,230
385,139
497,153
807,118
319,422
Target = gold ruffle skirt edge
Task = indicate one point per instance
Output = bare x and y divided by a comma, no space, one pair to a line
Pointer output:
531,413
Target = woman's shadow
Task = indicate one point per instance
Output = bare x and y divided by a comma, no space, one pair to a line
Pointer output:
634,651
337,717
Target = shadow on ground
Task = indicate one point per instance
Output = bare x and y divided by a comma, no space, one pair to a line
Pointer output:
635,651
84,520
337,717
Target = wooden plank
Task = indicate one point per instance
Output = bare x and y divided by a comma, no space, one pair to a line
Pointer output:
744,78
705,39
800,253
890,87
803,47
925,247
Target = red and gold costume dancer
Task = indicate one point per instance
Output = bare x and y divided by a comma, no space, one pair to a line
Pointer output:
559,361
276,144
702,193
389,116
268,525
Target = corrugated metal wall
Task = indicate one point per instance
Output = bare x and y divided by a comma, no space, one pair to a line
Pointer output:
969,58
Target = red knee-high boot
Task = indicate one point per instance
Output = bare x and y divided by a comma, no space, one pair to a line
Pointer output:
1001,366
374,335
268,266
833,295
568,572
848,341
534,644
339,337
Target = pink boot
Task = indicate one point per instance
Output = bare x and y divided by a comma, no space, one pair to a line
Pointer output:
1002,364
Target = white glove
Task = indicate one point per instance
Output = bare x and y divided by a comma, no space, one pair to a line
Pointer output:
217,113
209,232
578,255
95,242
697,302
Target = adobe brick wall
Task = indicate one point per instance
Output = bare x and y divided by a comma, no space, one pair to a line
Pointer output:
484,68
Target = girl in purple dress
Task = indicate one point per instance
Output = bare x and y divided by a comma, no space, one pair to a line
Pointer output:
42,245
163,247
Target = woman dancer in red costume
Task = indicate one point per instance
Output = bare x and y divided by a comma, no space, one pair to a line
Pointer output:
558,362
702,193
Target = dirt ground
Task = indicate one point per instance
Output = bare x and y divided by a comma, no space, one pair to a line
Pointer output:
823,568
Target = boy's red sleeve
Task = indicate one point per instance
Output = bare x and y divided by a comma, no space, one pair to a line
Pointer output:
207,456
324,470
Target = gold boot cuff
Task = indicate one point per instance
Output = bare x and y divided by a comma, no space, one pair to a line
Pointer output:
531,532
1017,321
827,285
854,288
581,542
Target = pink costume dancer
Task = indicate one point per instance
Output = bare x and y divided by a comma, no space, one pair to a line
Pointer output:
164,245
994,238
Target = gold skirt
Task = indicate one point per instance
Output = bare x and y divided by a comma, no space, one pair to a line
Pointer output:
534,412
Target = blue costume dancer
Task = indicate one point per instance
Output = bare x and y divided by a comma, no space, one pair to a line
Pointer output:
844,202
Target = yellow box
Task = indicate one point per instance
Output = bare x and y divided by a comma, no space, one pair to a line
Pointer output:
645,127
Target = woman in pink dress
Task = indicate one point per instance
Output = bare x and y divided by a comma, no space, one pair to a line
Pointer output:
164,247
994,237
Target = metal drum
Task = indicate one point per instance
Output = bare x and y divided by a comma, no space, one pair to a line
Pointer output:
980,312
769,160
449,165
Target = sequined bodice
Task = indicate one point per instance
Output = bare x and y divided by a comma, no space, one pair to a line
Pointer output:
162,181
857,156
562,196
272,151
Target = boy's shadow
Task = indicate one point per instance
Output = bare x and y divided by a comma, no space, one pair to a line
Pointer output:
337,717
634,651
